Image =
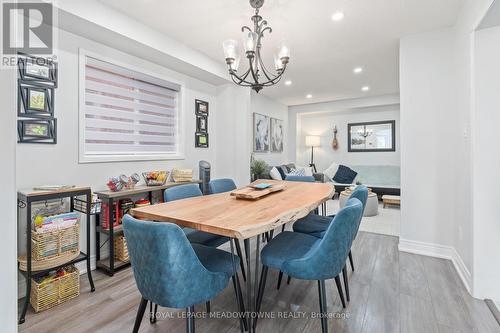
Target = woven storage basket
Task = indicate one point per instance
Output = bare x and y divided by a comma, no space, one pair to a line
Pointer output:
46,295
182,175
121,250
46,245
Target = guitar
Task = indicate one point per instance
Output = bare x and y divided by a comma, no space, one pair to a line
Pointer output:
334,141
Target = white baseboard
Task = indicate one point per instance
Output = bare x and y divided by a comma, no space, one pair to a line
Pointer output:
82,267
439,251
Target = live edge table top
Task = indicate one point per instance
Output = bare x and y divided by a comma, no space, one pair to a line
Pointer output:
223,214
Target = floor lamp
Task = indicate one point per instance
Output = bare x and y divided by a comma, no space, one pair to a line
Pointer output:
313,141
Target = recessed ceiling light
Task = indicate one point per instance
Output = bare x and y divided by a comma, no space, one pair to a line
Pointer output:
288,82
365,88
337,16
309,96
357,70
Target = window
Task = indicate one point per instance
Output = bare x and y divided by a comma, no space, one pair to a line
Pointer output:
126,114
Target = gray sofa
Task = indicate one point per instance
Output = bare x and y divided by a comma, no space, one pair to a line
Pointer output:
265,175
383,179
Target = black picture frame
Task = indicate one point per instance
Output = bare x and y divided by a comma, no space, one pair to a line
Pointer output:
202,124
27,90
201,140
37,131
201,107
37,69
392,124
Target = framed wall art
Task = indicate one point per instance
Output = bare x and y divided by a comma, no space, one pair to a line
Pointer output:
201,140
35,100
201,107
202,124
260,133
37,131
37,69
277,134
376,136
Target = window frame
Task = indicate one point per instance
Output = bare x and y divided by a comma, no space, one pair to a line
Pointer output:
88,158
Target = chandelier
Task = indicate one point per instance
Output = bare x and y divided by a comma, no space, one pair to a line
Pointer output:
257,76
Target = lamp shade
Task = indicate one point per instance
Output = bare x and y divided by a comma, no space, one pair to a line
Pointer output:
313,141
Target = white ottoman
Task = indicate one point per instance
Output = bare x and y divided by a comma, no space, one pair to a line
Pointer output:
371,208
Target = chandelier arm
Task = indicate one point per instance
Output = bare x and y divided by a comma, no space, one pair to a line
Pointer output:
267,72
275,79
243,28
252,70
246,84
239,78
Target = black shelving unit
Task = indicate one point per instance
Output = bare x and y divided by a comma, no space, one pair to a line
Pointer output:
26,198
109,265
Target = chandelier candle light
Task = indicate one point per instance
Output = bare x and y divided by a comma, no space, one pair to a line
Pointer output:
257,76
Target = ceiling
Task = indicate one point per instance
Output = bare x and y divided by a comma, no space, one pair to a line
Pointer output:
323,52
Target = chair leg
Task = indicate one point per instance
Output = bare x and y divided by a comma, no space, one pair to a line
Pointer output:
280,277
190,319
140,314
289,279
339,288
238,251
208,306
260,294
351,261
323,309
346,283
152,314
241,303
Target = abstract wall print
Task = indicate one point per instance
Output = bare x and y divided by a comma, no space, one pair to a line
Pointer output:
376,136
260,133
277,135
37,130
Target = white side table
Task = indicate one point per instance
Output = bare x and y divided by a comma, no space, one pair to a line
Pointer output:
371,208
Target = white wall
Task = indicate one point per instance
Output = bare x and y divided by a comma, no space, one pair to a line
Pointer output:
437,87
267,106
427,153
486,209
8,236
321,123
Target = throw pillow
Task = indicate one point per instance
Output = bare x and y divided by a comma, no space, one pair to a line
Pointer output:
332,170
308,171
283,170
275,174
297,172
345,175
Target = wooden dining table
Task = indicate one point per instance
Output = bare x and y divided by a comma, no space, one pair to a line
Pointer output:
224,214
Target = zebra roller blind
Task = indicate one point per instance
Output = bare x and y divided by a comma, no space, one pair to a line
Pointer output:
128,113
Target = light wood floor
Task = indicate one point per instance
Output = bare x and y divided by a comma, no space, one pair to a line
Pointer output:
391,291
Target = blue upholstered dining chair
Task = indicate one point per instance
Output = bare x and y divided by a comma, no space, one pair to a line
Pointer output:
316,226
306,257
220,186
309,179
172,272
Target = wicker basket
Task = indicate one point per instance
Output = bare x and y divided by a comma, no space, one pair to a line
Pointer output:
46,245
182,175
121,250
46,295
